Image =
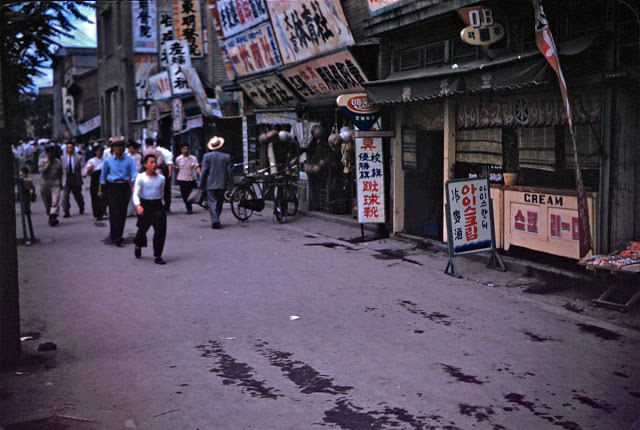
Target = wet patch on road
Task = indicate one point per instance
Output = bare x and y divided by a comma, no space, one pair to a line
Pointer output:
348,416
519,399
304,376
620,374
332,245
457,373
600,332
5,395
594,404
236,373
437,317
480,413
634,394
538,338
394,254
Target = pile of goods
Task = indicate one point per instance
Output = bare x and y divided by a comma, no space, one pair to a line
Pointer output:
627,257
343,142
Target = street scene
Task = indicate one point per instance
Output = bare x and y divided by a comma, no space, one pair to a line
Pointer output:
294,326
364,214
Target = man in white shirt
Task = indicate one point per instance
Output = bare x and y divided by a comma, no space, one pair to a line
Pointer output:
168,159
147,196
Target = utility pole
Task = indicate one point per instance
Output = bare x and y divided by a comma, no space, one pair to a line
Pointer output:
10,350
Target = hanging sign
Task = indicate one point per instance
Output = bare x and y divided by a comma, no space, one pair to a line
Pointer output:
178,57
87,126
379,6
305,29
268,92
160,86
469,216
370,179
235,16
481,29
145,36
194,122
177,113
359,110
253,51
193,79
144,66
326,77
187,25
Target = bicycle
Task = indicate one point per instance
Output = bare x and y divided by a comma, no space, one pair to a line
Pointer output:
249,194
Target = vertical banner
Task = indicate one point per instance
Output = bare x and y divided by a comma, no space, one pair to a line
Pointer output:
177,113
187,25
193,79
370,180
144,66
160,86
165,30
178,57
546,45
145,37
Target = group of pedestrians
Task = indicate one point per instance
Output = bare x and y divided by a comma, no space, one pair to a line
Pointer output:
131,181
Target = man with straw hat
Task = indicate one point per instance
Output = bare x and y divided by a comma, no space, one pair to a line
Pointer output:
215,178
118,175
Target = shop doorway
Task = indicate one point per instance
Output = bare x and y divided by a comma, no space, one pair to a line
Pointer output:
423,187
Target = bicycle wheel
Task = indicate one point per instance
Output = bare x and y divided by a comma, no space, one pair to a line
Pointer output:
292,199
280,204
243,202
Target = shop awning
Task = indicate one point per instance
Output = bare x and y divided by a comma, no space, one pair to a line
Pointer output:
503,73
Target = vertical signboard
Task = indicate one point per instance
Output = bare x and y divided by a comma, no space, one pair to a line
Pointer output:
193,79
145,37
187,25
235,16
160,86
370,179
305,29
144,66
470,220
178,57
165,30
177,113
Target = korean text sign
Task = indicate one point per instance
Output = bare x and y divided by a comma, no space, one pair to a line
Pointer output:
145,36
370,180
469,215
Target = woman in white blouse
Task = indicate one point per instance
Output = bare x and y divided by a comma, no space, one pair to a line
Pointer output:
147,196
94,168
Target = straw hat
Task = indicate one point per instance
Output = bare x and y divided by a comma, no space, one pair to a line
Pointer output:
117,140
215,142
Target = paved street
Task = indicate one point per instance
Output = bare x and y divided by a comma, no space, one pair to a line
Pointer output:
267,326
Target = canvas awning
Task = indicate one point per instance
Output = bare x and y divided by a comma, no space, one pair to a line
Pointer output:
504,73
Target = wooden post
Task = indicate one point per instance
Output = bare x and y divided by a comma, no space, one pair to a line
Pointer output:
397,174
450,131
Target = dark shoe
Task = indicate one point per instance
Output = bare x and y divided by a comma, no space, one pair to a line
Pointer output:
216,226
159,260
54,222
189,211
81,211
119,243
66,215
137,252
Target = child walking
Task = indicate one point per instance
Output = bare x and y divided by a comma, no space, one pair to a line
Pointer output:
147,196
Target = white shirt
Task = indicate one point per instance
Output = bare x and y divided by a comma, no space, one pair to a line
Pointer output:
168,155
148,188
94,162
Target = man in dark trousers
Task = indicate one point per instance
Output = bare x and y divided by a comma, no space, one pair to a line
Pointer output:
118,175
215,178
71,179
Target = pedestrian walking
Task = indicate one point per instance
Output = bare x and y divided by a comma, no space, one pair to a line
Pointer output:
28,190
93,168
188,170
116,180
168,174
147,196
133,151
50,183
72,180
215,178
